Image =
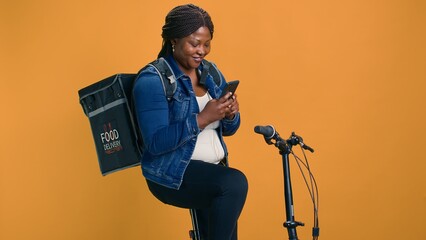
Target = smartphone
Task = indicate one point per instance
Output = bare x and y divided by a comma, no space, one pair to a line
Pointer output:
230,87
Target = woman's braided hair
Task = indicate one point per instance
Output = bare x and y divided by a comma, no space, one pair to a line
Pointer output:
182,21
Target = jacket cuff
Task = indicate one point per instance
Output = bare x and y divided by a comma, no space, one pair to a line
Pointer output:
234,119
193,127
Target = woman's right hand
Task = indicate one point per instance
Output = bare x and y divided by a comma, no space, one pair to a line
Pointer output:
215,109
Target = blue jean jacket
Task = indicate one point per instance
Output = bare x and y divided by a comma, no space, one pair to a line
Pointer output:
169,128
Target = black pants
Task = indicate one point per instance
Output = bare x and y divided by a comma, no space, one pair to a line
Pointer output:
218,194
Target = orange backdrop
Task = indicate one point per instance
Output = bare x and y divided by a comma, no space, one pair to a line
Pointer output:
348,76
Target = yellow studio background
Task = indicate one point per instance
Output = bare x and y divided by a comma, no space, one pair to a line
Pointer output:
348,76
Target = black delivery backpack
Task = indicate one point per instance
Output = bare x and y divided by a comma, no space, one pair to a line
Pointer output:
109,106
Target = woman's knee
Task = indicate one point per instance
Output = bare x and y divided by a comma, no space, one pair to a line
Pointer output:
237,183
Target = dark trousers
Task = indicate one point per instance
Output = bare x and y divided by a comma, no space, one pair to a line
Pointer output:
216,192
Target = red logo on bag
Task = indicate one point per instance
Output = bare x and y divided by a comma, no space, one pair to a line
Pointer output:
111,139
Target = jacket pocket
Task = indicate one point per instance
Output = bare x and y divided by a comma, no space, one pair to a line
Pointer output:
179,106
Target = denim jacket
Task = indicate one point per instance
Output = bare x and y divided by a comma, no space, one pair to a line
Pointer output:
169,128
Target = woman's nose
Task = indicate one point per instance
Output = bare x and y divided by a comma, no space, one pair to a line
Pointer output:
201,51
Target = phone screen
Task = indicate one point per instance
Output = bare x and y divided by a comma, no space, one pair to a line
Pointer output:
230,87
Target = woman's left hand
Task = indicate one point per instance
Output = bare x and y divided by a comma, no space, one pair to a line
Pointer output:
233,108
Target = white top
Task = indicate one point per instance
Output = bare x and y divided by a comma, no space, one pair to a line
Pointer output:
208,147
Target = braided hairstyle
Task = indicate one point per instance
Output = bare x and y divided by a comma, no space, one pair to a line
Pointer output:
182,21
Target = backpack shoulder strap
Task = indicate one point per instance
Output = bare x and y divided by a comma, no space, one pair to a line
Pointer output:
210,68
167,76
